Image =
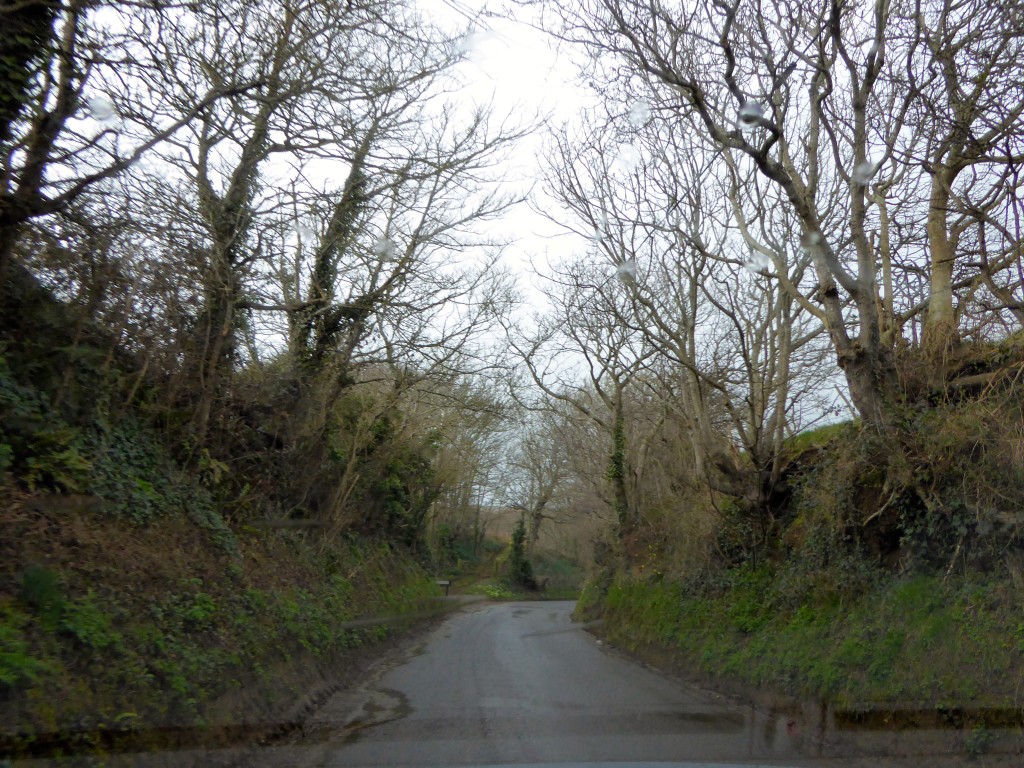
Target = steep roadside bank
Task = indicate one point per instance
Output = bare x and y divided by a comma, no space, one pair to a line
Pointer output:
907,654
145,639
879,579
158,592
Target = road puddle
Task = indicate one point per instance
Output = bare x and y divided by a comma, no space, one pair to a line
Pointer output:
384,705
819,730
711,722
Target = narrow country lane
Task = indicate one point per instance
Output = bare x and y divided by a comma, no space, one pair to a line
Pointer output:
519,683
516,683
499,684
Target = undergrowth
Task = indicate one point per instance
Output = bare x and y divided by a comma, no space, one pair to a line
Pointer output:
97,657
901,640
888,571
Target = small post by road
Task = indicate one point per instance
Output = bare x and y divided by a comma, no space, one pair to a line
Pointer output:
446,583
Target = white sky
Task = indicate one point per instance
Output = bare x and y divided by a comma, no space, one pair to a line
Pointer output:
515,66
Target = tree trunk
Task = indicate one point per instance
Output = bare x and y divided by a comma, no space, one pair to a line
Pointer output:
940,330
8,240
617,469
313,335
872,379
217,340
25,45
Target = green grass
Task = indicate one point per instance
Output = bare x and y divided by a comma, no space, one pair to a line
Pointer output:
562,577
902,640
88,658
815,438
494,590
499,589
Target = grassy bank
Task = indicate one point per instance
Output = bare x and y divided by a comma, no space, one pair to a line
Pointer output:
882,569
153,585
150,629
917,641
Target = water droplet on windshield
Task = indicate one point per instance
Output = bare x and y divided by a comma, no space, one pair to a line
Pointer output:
626,272
628,158
102,110
639,113
750,115
479,47
600,227
385,249
468,43
757,262
810,241
863,172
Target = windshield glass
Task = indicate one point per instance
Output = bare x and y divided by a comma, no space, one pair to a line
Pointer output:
419,382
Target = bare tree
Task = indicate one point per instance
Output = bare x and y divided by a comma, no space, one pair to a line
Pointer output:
739,351
362,90
577,342
539,468
71,115
815,101
471,423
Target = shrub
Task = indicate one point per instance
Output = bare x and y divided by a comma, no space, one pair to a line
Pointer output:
18,665
520,571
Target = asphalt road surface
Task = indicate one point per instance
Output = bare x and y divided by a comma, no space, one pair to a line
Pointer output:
520,684
517,683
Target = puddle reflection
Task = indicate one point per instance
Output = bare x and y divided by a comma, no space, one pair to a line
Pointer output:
818,730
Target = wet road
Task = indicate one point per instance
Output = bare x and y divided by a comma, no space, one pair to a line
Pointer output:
519,683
